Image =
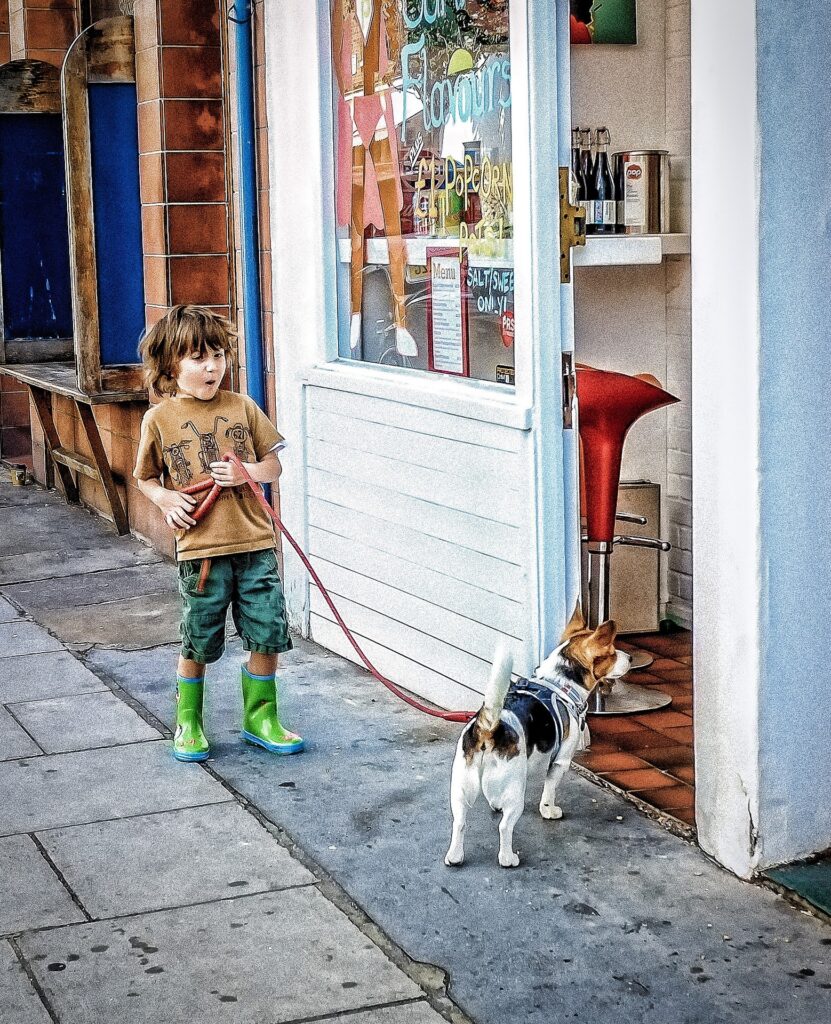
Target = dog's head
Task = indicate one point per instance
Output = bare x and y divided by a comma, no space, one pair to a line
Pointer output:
593,650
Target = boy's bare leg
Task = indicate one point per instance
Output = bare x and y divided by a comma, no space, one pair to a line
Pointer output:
262,664
188,669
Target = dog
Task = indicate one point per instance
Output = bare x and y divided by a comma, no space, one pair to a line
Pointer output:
535,720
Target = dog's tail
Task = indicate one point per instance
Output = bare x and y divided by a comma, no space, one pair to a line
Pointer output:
497,689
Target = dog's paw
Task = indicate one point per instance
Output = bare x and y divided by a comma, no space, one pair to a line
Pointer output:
551,812
509,860
454,858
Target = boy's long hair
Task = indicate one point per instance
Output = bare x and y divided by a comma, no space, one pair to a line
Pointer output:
183,331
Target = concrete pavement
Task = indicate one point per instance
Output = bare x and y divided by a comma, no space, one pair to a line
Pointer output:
133,888
255,889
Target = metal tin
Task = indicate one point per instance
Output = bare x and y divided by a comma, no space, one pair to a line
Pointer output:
643,179
18,475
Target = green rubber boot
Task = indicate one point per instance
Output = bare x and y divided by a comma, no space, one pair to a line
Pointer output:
189,743
260,724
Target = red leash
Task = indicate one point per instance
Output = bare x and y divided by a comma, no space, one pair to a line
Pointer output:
207,504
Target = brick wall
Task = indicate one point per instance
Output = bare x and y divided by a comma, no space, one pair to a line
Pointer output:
679,327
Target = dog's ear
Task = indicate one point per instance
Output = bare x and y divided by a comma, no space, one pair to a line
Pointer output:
576,624
604,635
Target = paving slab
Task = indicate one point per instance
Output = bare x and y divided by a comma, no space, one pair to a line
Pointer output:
19,1002
606,906
109,553
98,785
22,637
95,587
31,894
31,496
35,676
408,1013
14,741
270,958
8,613
171,859
59,527
81,722
131,624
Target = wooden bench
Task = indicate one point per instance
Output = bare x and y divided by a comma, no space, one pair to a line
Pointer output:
47,379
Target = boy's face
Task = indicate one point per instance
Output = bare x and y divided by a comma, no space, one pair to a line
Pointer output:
200,375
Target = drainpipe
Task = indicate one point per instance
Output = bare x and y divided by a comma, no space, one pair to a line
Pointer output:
240,16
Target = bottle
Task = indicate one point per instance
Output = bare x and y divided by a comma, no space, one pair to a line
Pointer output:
586,153
602,194
582,192
587,166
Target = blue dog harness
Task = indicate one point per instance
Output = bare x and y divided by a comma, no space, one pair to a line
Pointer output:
563,701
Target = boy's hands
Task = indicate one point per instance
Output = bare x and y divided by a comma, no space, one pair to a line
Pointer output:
175,508
227,474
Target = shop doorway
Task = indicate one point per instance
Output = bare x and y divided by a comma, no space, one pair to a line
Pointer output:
633,316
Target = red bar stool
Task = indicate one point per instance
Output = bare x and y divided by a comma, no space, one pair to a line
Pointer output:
608,404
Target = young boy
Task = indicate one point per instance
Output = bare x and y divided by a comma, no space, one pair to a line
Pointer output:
227,558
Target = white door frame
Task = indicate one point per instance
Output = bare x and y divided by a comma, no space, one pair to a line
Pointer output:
726,438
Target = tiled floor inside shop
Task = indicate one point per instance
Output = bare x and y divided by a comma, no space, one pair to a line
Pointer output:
651,755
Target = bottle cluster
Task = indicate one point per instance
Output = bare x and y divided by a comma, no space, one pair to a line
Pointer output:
597,191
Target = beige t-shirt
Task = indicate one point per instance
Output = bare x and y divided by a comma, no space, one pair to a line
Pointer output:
181,437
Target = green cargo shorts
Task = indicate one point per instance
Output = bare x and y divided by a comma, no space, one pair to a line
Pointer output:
251,585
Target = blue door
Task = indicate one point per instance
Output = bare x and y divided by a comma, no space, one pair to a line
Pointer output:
117,215
34,243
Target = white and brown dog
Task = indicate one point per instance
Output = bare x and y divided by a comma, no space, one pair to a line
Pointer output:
530,721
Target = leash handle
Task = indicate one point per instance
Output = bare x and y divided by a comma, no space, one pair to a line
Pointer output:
207,504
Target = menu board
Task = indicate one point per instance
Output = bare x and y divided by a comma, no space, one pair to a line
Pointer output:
447,339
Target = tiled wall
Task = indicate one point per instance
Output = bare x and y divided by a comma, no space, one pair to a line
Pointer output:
41,29
37,30
182,154
15,436
679,327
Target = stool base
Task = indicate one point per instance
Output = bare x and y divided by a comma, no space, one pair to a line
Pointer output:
627,699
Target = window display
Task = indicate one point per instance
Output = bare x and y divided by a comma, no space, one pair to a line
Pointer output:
424,184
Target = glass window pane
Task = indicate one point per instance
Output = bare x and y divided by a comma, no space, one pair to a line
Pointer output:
424,184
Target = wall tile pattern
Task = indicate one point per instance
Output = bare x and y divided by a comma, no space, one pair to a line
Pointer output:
679,323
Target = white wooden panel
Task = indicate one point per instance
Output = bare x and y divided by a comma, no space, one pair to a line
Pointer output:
461,491
464,531
438,587
411,643
498,469
410,675
480,570
410,417
431,619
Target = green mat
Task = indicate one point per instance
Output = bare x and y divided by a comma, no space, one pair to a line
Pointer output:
811,881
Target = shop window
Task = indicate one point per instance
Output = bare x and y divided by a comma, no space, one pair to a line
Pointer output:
34,245
424,184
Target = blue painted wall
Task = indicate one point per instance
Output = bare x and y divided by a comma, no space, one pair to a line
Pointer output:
794,71
117,212
34,242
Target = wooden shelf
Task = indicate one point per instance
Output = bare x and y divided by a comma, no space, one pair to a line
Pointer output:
599,251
